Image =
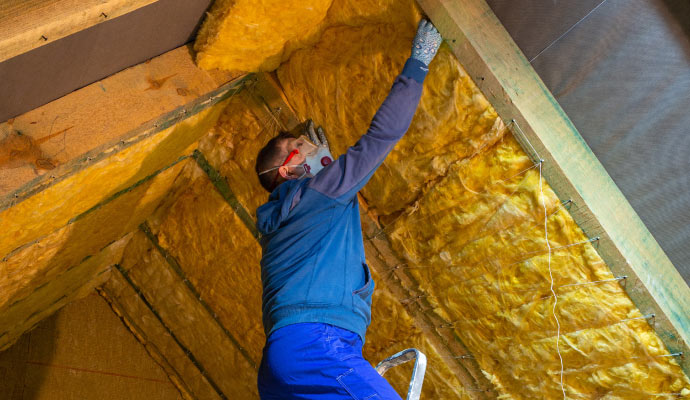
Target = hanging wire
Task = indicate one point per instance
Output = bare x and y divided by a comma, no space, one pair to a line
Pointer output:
553,292
579,285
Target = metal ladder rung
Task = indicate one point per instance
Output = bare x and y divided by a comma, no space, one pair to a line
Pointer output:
418,372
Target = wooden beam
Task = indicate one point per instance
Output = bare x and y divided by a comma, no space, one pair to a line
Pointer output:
43,144
28,24
505,76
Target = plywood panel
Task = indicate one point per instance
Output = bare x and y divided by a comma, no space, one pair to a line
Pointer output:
58,66
25,25
84,351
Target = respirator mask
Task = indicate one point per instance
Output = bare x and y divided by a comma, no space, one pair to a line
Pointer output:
317,155
314,146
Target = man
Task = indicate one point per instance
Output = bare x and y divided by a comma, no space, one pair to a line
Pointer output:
316,285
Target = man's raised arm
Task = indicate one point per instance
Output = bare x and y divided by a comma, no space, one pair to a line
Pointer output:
350,172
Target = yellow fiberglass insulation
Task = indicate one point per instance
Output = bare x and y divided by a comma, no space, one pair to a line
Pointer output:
392,329
453,120
485,265
258,35
231,147
250,35
461,205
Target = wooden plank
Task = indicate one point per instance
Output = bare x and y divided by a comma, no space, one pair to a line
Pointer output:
28,24
268,96
40,144
507,79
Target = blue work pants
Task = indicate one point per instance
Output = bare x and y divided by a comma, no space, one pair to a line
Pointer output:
321,362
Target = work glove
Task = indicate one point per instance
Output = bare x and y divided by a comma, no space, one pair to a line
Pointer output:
426,42
321,157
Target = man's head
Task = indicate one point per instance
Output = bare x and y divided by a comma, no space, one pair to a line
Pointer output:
281,159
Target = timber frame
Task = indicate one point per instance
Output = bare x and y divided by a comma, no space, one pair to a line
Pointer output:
507,79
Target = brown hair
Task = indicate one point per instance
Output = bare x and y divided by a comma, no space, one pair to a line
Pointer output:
270,156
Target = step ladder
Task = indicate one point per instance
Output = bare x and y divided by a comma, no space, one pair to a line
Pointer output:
402,357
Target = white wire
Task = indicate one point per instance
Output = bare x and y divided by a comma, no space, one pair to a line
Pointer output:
553,292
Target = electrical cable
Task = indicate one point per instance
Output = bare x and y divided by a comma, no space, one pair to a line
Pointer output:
553,292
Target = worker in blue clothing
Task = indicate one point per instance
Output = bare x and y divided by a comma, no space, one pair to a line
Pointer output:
317,286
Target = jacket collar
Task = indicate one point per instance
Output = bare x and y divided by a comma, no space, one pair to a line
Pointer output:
270,215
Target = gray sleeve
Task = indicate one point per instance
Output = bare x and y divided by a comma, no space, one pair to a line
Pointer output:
343,178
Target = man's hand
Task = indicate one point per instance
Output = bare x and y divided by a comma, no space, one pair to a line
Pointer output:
322,156
426,43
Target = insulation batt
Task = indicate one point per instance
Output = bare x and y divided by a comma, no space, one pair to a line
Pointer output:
187,318
460,203
232,147
251,35
220,258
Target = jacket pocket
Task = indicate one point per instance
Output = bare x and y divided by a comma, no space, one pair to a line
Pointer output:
368,288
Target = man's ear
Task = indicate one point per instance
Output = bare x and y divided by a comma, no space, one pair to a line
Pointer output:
284,172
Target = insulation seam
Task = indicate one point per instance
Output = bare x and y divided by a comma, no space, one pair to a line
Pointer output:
187,352
172,262
149,346
224,189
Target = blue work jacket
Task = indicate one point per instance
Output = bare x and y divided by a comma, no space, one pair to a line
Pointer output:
313,266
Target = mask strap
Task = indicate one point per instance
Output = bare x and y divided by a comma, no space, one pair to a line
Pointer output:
287,160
